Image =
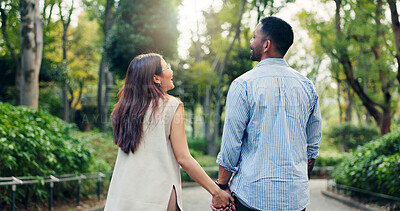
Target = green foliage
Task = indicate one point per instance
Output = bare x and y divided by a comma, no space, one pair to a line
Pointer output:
7,79
366,39
374,166
105,150
143,26
330,159
49,99
197,144
349,136
51,71
36,143
204,161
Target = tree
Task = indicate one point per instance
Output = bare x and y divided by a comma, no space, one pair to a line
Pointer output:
268,6
396,31
31,52
211,146
364,56
9,17
142,26
221,54
85,53
106,19
66,21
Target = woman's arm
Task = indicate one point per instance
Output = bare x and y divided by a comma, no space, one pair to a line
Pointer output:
190,165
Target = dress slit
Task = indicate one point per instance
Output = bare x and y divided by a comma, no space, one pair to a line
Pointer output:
173,203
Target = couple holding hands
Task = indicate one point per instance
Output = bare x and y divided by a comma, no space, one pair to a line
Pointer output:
269,144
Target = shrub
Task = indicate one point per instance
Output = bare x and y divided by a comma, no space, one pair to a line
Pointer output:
350,136
197,144
374,166
35,143
105,152
330,159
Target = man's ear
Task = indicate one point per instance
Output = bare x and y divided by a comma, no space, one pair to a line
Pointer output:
267,45
156,79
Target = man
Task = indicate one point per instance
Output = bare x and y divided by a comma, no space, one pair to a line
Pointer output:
272,128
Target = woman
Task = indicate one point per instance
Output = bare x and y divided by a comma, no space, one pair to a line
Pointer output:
148,127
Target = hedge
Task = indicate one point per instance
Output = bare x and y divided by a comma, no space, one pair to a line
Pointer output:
374,166
35,143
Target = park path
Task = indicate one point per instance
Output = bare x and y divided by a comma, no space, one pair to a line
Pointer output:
195,198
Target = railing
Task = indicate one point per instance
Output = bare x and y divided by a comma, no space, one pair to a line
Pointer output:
16,181
365,196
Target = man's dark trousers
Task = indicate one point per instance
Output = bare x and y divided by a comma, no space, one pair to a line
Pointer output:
241,207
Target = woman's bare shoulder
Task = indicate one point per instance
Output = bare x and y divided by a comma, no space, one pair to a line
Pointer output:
173,100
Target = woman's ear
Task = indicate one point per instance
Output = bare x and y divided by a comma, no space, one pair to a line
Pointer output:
156,79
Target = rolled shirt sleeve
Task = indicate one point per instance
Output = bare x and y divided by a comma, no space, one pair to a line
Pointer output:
236,120
314,131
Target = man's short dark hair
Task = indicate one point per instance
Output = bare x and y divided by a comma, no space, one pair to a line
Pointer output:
279,32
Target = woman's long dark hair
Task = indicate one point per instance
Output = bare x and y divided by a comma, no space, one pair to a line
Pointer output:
138,92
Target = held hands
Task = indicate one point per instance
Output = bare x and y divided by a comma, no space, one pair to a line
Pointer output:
223,201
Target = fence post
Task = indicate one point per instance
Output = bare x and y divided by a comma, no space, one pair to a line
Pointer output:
100,175
51,195
26,200
98,186
78,195
14,189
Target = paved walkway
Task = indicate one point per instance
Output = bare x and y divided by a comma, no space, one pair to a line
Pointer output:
197,199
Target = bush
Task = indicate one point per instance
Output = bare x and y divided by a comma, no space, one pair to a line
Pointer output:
330,159
374,166
35,143
350,136
105,152
197,144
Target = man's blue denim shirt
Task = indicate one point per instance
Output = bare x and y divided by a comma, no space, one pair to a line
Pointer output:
272,127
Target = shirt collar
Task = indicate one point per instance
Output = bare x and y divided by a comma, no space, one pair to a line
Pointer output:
272,61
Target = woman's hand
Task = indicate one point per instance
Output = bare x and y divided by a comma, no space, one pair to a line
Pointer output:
222,201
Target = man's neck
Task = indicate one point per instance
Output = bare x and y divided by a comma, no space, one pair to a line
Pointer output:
278,57
267,56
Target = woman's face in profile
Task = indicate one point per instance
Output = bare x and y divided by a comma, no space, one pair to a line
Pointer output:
166,76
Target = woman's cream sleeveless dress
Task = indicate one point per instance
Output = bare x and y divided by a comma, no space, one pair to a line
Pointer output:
144,180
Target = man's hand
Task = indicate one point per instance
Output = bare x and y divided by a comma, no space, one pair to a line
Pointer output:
310,166
223,201
225,207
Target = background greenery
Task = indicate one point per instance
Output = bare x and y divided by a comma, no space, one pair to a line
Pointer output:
349,52
374,166
35,143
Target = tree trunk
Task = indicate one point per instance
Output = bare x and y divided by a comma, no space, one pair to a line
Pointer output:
100,97
349,109
31,52
259,10
105,75
338,95
109,85
192,120
386,83
371,105
66,104
396,31
218,106
211,145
